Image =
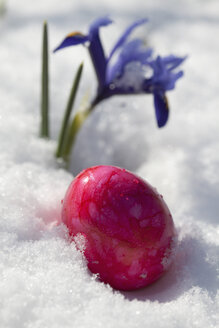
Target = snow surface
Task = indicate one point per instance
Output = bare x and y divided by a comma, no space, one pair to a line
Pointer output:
43,279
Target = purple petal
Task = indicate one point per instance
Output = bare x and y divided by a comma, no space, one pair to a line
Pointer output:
72,39
131,52
125,35
172,61
94,27
96,50
161,109
158,66
171,80
164,77
98,59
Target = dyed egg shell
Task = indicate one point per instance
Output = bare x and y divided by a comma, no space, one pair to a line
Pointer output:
128,229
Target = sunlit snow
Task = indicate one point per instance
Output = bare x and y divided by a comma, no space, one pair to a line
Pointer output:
44,281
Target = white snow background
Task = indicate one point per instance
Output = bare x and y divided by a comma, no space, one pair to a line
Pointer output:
43,279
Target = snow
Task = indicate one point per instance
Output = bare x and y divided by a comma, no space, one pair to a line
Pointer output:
43,278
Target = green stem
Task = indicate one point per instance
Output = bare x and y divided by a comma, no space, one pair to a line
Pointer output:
44,130
65,123
73,130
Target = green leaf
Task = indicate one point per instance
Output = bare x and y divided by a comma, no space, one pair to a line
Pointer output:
69,107
75,126
44,129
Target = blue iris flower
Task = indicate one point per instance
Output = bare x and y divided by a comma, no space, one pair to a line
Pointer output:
129,68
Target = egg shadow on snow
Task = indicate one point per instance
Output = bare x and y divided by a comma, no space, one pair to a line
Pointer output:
194,266
163,290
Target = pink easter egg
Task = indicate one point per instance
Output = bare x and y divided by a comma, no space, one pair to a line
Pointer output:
127,227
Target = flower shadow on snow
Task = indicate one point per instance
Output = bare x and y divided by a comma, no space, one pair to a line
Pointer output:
203,189
113,135
194,266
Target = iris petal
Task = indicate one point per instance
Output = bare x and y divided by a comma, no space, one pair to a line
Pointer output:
72,39
161,109
97,52
170,83
94,27
172,61
164,77
126,34
131,52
